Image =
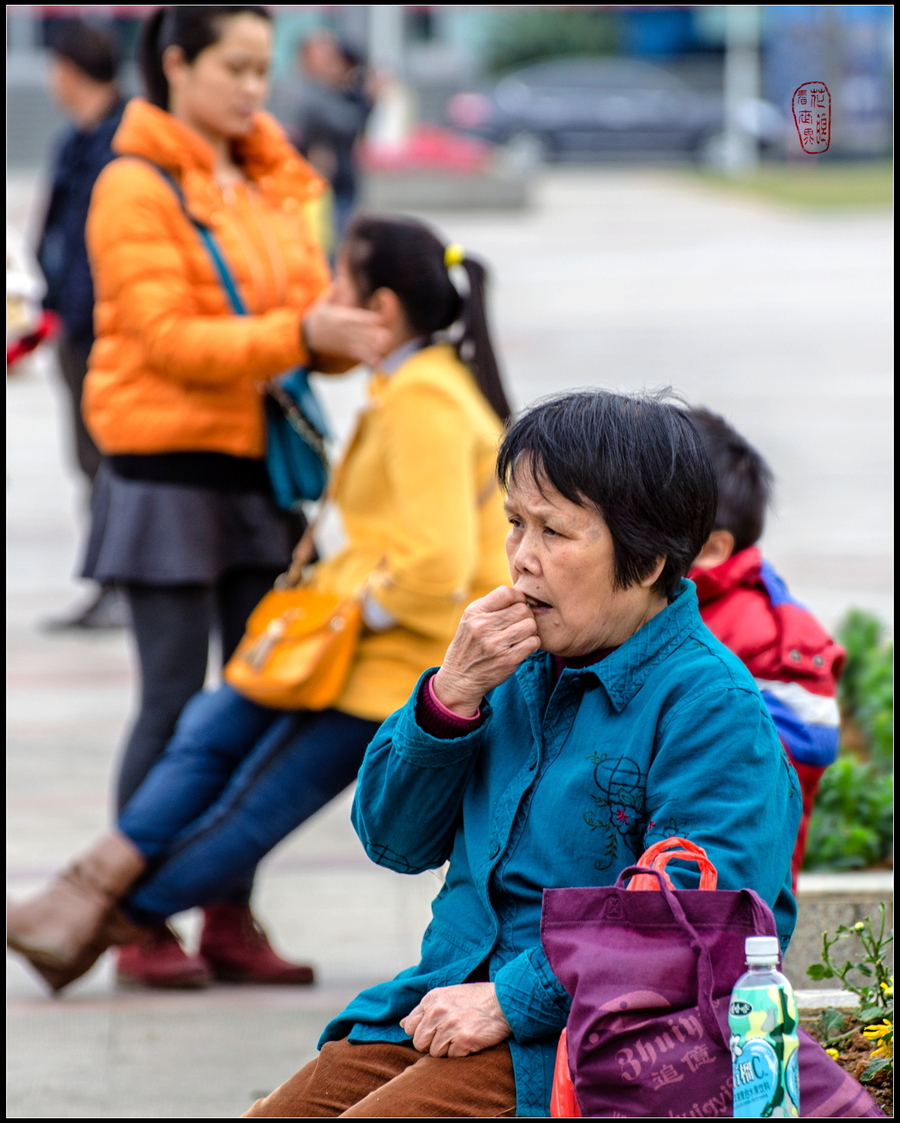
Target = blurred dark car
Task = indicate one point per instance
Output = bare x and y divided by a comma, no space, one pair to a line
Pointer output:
578,108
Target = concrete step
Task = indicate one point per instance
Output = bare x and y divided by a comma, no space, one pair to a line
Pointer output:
821,999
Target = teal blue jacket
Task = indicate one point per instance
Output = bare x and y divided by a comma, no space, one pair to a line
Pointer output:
566,783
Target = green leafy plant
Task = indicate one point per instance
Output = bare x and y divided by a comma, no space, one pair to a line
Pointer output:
866,689
521,35
852,823
851,827
869,977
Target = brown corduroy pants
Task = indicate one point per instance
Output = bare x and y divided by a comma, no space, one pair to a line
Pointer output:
379,1079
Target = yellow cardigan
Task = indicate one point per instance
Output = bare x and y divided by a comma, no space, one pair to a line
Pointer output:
423,512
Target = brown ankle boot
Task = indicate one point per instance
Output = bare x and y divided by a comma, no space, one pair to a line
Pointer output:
63,930
116,929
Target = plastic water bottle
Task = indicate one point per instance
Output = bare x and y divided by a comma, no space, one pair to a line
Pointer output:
763,1020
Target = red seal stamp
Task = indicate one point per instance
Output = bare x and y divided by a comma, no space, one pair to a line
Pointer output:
811,104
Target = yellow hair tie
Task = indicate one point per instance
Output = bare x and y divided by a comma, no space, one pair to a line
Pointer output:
454,254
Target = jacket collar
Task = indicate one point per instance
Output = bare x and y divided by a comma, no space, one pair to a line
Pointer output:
264,153
400,354
742,568
424,352
151,132
624,671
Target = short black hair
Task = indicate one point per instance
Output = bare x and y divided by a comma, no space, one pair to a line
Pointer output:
93,51
637,459
744,478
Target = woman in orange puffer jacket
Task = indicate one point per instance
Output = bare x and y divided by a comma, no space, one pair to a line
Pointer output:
184,517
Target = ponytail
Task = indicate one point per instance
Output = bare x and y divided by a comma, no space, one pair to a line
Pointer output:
403,255
150,65
193,28
475,347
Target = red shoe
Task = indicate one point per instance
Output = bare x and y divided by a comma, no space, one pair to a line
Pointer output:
159,960
238,951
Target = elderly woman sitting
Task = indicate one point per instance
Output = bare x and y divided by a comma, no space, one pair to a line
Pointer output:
578,717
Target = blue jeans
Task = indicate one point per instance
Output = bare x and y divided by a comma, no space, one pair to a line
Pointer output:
235,779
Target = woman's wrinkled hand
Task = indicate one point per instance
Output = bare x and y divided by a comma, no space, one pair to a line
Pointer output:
495,635
457,1021
350,333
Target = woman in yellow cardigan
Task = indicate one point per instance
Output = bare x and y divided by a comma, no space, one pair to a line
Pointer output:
424,521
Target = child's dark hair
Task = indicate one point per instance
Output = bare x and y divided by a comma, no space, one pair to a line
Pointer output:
745,479
403,255
193,28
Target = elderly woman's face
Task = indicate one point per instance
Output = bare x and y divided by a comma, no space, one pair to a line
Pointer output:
561,557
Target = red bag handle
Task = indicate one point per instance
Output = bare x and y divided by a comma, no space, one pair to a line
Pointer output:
657,857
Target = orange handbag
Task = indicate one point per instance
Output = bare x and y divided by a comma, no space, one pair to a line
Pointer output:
299,644
297,650
563,1104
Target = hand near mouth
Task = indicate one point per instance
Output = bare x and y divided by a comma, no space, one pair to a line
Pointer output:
495,635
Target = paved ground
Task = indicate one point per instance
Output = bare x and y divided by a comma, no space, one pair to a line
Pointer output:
626,279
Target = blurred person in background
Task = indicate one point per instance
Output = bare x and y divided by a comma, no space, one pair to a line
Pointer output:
183,514
334,102
746,605
419,498
83,66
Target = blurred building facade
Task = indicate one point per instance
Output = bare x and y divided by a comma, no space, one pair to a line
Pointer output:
438,50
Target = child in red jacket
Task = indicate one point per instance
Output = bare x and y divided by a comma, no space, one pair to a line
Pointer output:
747,606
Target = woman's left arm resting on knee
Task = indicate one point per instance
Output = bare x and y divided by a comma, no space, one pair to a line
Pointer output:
526,1001
456,1021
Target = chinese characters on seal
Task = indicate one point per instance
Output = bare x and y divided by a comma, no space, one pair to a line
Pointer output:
811,104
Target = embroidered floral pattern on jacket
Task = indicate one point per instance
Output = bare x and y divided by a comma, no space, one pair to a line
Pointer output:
619,804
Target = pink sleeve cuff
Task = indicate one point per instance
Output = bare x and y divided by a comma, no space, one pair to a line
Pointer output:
437,720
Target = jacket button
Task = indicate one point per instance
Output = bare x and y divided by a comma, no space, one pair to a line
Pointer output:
795,655
495,849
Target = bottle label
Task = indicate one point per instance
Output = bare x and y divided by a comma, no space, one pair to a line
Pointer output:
764,1055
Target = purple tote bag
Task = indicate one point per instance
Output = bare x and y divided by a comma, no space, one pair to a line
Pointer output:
650,975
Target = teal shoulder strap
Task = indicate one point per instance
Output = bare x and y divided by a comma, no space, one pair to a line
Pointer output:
206,237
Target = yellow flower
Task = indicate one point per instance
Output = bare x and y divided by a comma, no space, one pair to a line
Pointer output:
883,1034
888,988
833,1053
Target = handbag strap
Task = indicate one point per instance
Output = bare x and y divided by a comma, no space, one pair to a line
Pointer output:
206,237
704,961
305,548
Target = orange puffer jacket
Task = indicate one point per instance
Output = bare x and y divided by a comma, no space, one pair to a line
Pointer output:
173,369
